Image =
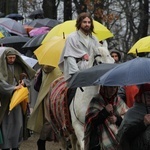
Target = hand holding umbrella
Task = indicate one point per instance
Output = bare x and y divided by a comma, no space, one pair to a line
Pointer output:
20,96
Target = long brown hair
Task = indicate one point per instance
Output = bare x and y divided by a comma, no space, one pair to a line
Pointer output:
80,19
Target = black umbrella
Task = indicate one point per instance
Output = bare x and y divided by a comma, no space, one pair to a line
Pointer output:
46,22
37,14
34,42
15,16
14,41
88,76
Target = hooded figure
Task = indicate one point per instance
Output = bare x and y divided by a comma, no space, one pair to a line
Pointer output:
116,56
103,117
12,70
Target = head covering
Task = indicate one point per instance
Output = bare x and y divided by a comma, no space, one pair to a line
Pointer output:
117,52
103,92
142,88
3,63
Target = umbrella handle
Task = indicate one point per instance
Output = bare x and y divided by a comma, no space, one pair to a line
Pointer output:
22,76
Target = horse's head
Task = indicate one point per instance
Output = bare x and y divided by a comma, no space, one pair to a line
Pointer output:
103,56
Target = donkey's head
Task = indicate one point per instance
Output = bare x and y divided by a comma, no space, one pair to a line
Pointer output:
103,56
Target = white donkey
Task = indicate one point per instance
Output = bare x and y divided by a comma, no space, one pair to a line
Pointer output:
82,99
80,102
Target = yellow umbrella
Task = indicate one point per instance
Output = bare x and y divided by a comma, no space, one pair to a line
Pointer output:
1,35
101,32
49,52
19,96
142,45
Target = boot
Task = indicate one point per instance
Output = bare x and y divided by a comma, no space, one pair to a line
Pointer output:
41,144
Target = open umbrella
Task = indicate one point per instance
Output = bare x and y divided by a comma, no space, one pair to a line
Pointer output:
13,26
49,52
47,22
34,42
36,14
14,41
15,16
30,61
39,31
4,32
88,76
101,32
132,72
18,97
142,45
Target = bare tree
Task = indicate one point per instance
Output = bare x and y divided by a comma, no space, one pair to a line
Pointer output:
8,6
50,9
67,10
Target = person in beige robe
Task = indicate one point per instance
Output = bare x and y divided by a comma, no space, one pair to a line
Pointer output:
39,119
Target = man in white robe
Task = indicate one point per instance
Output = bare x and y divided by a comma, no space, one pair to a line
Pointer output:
79,46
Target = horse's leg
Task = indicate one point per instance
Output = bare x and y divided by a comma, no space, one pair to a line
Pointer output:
78,108
78,128
74,142
80,134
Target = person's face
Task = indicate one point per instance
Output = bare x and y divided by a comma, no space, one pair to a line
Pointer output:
11,59
115,56
48,69
110,91
86,25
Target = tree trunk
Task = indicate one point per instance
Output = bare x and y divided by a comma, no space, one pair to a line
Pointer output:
50,9
67,10
9,6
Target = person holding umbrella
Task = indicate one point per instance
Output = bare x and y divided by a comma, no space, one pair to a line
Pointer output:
134,131
39,120
11,67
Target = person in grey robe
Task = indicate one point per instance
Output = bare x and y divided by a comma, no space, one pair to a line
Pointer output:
14,73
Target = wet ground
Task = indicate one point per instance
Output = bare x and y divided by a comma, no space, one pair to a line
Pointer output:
30,144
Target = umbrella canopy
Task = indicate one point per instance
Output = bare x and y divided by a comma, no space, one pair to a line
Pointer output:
30,61
39,31
13,26
132,72
19,96
15,16
34,42
88,76
49,53
101,32
36,14
14,41
27,28
4,32
142,45
44,22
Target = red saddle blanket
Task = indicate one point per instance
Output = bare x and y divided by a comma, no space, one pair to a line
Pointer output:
59,110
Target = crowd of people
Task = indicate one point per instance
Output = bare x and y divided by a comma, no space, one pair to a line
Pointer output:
111,122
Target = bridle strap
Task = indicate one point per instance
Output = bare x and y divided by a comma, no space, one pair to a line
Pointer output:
95,61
